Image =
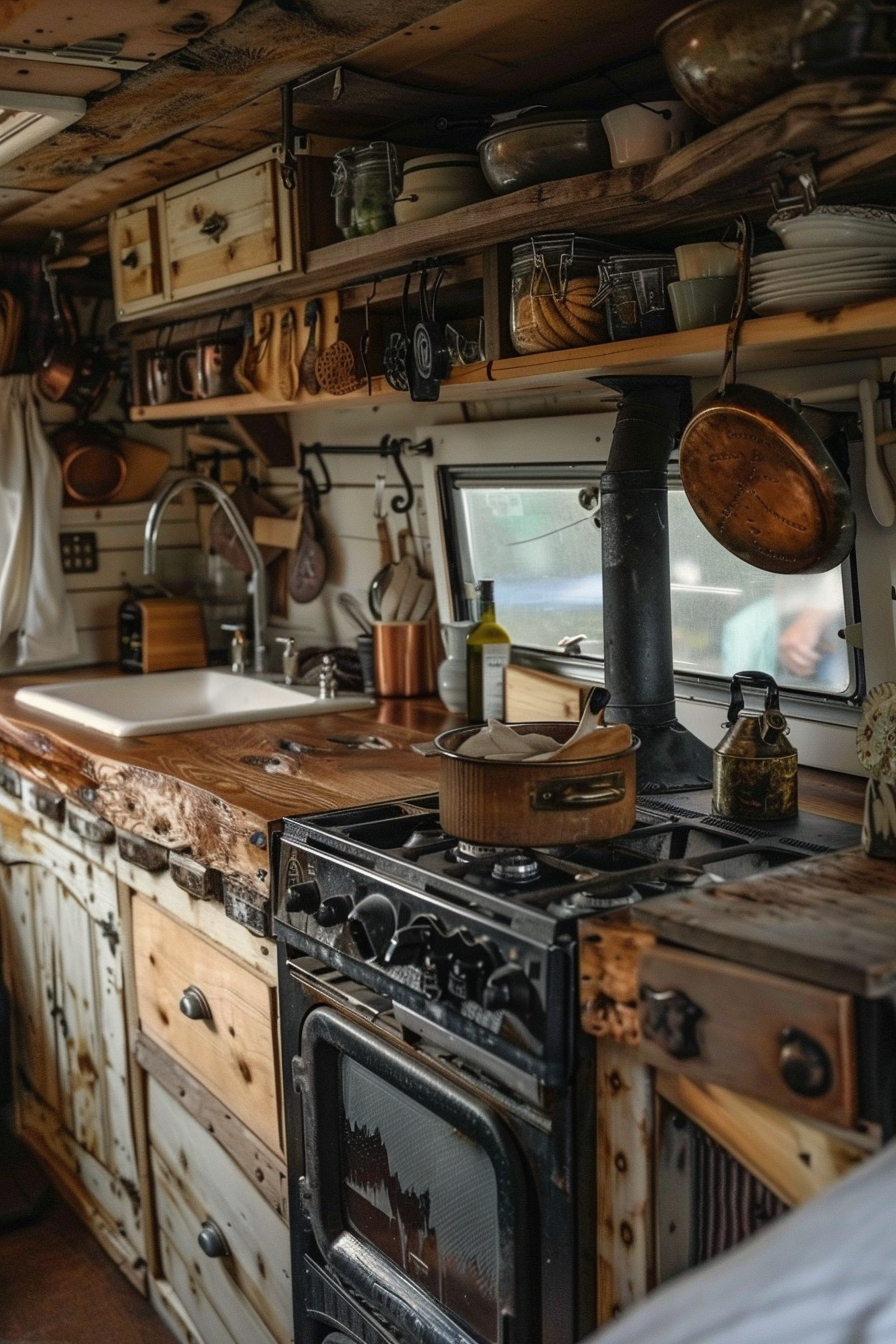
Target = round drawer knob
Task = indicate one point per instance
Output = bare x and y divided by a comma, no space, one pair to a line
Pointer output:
212,1241
805,1064
194,1005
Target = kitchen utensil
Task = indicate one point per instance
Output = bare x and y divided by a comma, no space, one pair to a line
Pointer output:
592,715
380,580
542,147
76,371
335,371
724,57
877,484
430,359
395,355
354,611
158,371
403,573
754,767
307,371
423,604
758,477
640,132
145,465
608,740
401,658
513,802
93,470
308,565
223,539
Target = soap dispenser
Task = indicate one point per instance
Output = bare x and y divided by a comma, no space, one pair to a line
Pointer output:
290,659
754,767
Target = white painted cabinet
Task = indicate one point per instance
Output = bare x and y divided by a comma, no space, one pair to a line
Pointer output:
62,962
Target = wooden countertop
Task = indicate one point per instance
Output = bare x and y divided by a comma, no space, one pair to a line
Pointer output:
212,790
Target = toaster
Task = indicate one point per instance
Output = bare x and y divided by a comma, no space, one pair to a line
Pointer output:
158,633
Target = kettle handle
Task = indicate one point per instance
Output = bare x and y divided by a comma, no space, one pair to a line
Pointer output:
760,680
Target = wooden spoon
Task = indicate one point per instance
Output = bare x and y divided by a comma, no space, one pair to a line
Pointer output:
607,740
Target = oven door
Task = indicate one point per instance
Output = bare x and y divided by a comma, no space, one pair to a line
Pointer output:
419,1200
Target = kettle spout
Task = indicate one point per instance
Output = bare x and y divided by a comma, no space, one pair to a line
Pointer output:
772,726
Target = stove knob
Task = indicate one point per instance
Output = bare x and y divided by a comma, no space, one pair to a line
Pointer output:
410,945
302,898
509,988
372,924
334,910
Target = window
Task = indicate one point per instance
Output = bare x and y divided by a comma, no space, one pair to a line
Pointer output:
527,528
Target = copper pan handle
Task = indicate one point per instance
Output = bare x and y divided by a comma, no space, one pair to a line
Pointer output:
563,794
744,256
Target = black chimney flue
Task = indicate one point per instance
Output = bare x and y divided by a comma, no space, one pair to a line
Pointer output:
636,594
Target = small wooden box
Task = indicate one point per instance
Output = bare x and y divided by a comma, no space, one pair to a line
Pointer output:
536,697
159,634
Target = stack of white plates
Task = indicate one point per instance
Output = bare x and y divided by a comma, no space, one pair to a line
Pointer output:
835,255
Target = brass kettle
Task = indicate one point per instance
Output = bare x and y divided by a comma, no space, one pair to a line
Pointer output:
754,766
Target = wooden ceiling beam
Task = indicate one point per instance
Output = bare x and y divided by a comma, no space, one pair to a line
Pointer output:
261,48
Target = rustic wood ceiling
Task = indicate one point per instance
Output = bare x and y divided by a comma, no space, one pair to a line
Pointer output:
203,100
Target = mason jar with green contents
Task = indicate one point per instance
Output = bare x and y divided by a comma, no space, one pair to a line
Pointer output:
377,181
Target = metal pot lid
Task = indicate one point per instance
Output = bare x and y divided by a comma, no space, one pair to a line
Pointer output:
540,119
763,484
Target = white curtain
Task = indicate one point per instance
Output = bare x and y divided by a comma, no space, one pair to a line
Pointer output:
34,605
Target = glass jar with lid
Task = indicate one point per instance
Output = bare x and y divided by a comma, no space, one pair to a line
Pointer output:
343,192
637,301
556,290
377,181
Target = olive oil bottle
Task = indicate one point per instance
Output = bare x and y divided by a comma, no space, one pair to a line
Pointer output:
488,653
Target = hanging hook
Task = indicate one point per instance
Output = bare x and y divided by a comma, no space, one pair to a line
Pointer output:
392,448
289,164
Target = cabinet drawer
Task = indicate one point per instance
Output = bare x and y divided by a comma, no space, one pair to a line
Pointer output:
244,1296
787,1043
230,226
135,253
233,1052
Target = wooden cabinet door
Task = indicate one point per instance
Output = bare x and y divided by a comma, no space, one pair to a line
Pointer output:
61,945
136,257
242,1296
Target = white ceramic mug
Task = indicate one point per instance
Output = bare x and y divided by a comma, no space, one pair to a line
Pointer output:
697,261
643,131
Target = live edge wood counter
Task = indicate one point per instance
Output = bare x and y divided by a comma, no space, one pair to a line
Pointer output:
220,792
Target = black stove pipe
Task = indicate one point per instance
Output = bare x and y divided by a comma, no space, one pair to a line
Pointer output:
637,605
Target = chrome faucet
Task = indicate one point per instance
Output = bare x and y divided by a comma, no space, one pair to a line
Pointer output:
258,583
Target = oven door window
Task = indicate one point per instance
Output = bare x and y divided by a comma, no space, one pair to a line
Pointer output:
421,1200
532,530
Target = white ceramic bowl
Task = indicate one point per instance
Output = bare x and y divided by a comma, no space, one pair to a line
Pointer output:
697,261
838,226
436,183
640,132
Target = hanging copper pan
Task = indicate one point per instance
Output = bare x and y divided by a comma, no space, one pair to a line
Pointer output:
758,477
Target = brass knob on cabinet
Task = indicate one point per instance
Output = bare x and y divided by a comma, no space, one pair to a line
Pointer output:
212,1241
805,1064
194,1005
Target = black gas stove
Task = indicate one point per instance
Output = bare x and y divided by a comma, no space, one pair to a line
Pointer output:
476,948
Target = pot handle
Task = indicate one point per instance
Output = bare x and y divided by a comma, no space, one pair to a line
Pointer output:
744,257
564,794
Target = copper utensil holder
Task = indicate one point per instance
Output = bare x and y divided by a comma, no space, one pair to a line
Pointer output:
402,658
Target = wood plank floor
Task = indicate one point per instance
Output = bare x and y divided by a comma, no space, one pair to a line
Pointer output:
57,1286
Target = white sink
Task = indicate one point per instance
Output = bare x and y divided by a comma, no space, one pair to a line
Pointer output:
170,702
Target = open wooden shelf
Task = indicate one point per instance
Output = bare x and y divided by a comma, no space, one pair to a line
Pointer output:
790,340
847,128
